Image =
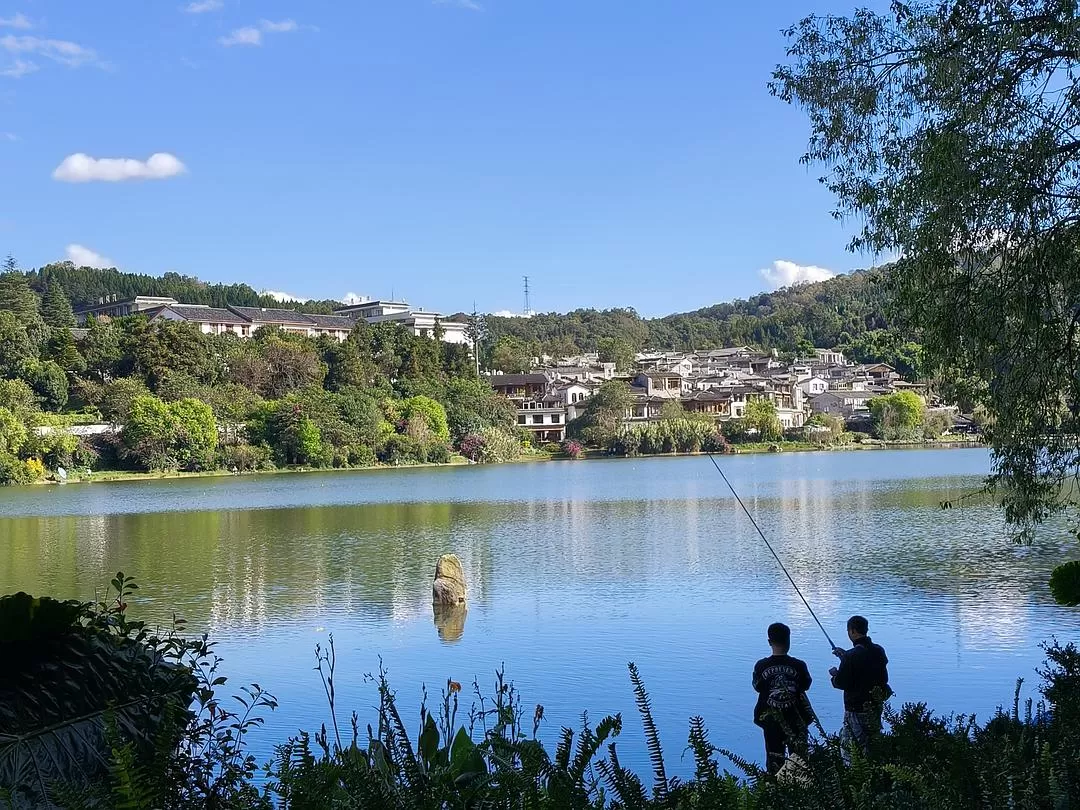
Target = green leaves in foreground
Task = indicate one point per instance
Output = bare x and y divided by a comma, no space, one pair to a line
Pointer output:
1065,583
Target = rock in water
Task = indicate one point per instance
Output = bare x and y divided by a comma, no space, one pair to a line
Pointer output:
449,585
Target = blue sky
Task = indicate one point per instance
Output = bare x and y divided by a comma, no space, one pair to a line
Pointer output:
618,152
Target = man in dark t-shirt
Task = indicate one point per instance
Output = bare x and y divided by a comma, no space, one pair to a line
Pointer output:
783,710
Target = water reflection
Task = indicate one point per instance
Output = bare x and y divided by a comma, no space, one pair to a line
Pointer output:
572,569
450,621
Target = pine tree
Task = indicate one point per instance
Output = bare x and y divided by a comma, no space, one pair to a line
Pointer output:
56,308
17,297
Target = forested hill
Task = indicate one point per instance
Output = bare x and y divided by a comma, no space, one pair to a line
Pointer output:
87,285
850,312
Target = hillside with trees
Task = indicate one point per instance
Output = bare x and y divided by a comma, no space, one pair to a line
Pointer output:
85,286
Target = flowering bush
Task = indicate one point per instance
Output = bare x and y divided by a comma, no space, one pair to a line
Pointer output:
573,449
472,447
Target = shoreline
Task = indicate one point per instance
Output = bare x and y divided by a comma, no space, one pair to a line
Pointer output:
119,476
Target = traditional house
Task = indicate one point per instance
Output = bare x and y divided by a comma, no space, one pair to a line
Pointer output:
209,320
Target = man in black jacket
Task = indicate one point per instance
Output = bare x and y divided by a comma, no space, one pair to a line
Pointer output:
863,674
783,710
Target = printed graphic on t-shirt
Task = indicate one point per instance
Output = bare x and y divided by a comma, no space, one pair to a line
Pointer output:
782,680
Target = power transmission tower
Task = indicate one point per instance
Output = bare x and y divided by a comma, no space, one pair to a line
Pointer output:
528,308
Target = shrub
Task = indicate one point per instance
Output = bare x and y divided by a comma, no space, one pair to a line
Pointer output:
398,449
499,445
573,449
554,448
35,469
472,447
244,457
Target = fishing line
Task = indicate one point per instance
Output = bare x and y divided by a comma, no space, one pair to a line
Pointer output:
772,550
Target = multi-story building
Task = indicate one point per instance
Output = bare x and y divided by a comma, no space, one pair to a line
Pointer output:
243,321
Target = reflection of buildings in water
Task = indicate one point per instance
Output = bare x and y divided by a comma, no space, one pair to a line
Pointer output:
91,539
999,620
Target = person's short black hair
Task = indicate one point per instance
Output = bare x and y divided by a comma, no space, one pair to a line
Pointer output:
859,624
780,634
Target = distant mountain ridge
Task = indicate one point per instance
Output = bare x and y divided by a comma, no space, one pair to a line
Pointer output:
851,312
86,286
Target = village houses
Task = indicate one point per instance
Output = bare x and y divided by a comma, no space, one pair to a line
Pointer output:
717,382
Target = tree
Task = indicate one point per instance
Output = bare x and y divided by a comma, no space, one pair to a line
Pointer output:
118,397
101,349
16,347
18,298
56,309
429,411
472,405
605,414
898,416
13,433
951,131
49,382
511,356
19,398
178,435
760,415
618,351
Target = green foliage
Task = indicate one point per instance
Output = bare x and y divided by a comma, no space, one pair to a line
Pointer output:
472,405
118,396
56,308
511,355
898,416
1065,583
949,131
824,428
431,412
936,424
676,435
13,433
618,351
178,435
16,346
760,415
48,381
97,669
604,415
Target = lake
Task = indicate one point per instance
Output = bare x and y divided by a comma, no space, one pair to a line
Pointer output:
574,568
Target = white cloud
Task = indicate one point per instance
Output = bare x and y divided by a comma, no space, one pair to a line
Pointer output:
505,313
81,168
784,274
471,5
203,6
19,21
351,298
8,136
84,257
242,36
251,35
58,50
19,69
284,296
283,27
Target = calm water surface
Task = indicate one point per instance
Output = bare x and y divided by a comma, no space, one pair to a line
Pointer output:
574,569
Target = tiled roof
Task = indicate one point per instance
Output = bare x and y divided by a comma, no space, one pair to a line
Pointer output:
332,321
260,315
500,380
190,312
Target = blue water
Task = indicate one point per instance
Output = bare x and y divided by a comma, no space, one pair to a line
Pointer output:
574,568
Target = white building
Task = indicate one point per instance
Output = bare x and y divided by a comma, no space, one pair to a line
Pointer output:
419,322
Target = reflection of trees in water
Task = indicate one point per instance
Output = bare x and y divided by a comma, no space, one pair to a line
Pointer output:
246,568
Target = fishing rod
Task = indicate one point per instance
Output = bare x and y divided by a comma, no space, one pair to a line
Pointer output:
772,551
